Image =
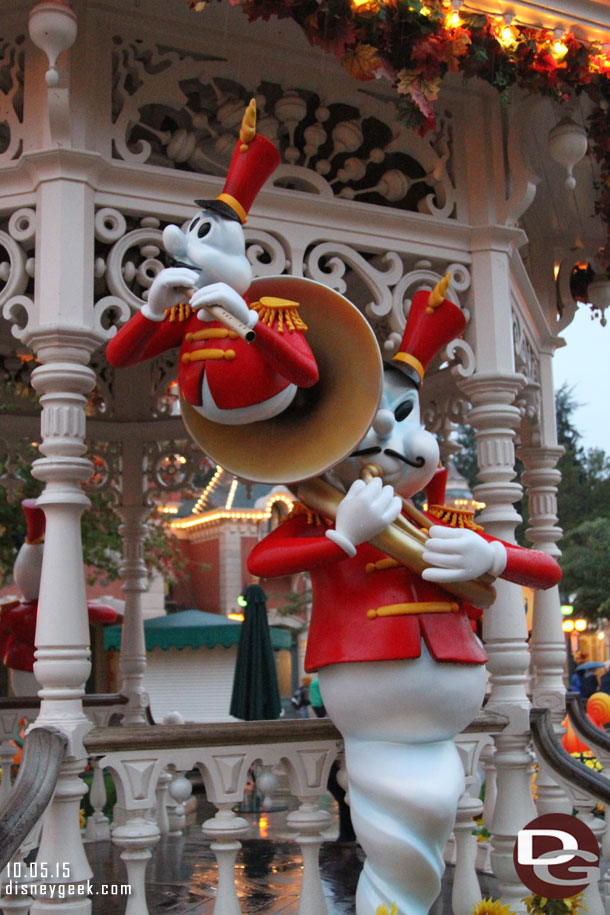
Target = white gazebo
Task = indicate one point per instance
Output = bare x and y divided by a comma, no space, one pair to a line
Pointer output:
115,118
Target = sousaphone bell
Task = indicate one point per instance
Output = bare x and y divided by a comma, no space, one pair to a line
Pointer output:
324,423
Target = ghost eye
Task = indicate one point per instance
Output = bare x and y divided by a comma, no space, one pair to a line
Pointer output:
194,223
203,229
403,410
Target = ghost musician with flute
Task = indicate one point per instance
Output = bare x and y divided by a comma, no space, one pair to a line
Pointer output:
241,359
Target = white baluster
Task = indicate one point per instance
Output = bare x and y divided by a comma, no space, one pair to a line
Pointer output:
309,822
466,889
266,783
224,829
591,897
180,790
136,837
98,825
162,798
135,584
488,754
12,880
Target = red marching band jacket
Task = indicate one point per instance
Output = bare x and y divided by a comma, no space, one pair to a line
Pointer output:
239,374
348,594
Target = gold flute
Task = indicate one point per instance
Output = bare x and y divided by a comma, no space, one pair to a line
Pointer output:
402,540
230,321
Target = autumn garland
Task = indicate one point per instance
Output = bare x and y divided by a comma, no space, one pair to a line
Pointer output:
414,44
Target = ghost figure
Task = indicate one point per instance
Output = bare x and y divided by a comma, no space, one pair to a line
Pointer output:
242,364
400,669
18,617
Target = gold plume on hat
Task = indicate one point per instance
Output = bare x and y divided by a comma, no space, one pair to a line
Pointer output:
247,131
438,294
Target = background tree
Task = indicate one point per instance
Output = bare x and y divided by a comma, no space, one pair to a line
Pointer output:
102,544
585,564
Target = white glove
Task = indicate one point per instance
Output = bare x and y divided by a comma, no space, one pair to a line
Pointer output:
459,554
366,510
224,295
167,289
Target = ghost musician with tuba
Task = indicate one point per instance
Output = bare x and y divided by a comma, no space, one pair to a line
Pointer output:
400,669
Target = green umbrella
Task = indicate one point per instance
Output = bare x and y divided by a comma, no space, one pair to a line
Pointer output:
256,695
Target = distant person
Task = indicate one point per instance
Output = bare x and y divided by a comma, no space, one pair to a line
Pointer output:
300,698
315,698
604,683
584,682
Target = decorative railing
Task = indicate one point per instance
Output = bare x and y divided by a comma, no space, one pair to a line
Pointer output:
43,752
583,786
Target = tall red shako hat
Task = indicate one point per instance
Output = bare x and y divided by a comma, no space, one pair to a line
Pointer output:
254,159
432,322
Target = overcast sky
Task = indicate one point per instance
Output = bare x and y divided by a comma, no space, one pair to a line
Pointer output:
585,364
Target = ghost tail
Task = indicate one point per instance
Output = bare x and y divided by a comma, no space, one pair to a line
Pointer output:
403,798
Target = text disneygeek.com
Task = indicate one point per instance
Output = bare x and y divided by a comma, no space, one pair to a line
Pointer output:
67,890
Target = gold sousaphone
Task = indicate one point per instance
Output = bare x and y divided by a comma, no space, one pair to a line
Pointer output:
324,424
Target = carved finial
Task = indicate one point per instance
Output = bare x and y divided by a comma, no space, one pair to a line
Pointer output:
438,294
247,131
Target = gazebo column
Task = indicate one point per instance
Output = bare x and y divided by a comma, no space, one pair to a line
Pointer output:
548,642
63,330
133,513
62,633
495,417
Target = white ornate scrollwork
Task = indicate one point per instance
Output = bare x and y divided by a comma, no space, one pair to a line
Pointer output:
266,253
526,360
327,263
462,357
17,269
11,97
184,110
171,467
106,474
523,179
129,255
423,275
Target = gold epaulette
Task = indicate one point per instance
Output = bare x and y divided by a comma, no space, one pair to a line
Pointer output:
271,309
454,517
180,312
313,518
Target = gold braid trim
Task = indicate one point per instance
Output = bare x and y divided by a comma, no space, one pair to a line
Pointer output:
313,518
454,517
285,312
180,312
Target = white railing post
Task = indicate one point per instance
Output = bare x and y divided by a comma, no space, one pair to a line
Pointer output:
494,416
548,642
137,837
309,822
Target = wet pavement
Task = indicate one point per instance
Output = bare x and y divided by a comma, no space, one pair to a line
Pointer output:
181,876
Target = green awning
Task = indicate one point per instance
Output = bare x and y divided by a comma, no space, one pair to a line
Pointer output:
192,629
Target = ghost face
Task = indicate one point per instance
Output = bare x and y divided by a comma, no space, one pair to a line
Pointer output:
215,247
396,442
